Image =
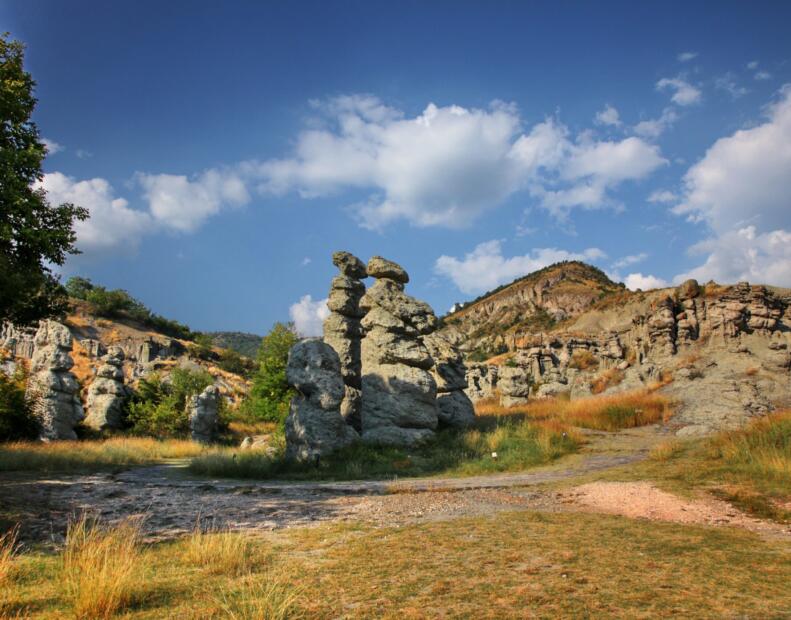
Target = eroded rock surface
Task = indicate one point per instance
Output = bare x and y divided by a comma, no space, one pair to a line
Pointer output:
314,426
53,389
204,414
107,393
454,407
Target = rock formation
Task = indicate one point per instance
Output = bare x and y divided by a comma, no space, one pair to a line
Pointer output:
314,426
399,394
454,407
342,329
203,410
107,393
52,388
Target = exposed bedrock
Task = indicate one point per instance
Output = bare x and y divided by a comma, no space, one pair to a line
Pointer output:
107,393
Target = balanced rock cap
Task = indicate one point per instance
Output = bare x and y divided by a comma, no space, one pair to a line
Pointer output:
379,267
349,265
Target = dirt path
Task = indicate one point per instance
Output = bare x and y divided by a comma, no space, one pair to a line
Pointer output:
173,502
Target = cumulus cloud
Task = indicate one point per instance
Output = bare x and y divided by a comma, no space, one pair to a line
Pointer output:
447,165
112,225
745,178
744,254
636,281
664,196
686,56
308,315
52,146
684,93
183,204
486,268
655,127
631,259
740,189
608,116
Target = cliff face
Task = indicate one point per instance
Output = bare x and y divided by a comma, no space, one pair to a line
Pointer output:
537,302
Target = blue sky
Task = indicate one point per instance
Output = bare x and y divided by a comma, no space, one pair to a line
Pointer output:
226,149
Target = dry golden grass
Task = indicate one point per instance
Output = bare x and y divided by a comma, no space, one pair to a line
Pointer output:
100,567
689,360
68,456
219,551
8,568
751,372
83,365
268,597
583,359
608,413
607,379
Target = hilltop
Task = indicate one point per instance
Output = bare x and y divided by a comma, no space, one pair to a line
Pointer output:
538,301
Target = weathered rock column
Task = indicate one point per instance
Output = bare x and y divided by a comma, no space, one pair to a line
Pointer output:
53,389
342,329
454,408
314,426
204,414
399,394
107,393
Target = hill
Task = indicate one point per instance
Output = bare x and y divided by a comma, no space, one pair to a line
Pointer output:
241,342
537,302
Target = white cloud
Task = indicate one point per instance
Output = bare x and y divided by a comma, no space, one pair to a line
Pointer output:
655,127
684,93
632,259
112,225
52,146
608,116
753,64
83,154
309,315
183,204
486,268
686,56
745,178
728,83
306,261
636,281
763,75
744,254
662,196
448,165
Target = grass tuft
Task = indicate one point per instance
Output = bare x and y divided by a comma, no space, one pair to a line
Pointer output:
219,551
267,597
100,567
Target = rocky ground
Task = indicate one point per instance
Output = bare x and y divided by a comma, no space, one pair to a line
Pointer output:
172,502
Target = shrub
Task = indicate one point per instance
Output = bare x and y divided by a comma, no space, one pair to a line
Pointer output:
16,417
158,407
582,359
607,379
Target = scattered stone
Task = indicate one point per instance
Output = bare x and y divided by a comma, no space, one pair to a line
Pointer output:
314,426
204,409
107,393
52,388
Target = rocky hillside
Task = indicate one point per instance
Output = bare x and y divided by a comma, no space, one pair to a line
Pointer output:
497,321
241,342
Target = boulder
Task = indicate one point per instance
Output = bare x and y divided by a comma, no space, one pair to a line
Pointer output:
514,384
379,267
314,426
54,390
107,393
204,410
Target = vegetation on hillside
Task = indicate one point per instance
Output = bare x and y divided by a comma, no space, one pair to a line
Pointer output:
119,304
241,342
17,421
34,235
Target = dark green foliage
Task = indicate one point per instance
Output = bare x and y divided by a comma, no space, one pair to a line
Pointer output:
33,233
17,422
158,407
483,353
231,361
119,304
202,349
270,394
243,343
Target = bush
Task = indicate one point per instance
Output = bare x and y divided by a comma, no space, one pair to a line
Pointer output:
583,359
158,407
16,416
270,393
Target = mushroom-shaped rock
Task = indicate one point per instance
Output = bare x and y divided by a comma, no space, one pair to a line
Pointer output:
349,265
314,426
379,267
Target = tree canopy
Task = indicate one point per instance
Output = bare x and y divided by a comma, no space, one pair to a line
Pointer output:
34,235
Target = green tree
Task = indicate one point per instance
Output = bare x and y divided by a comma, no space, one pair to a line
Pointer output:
78,287
33,233
270,394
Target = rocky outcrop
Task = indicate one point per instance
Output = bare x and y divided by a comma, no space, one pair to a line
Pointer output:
514,383
204,414
342,330
481,381
399,393
107,393
51,387
454,408
314,426
17,341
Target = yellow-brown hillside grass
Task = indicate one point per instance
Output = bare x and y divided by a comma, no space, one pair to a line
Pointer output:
219,551
583,360
607,413
90,455
609,378
100,567
8,568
